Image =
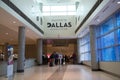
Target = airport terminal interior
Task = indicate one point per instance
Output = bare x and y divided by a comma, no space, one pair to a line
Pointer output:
59,39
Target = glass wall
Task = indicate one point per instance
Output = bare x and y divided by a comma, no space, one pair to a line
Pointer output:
85,48
59,10
108,39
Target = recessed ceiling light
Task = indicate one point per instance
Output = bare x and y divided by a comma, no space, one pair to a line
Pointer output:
28,30
118,2
98,20
14,22
6,33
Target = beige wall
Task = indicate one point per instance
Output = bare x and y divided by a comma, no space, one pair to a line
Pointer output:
30,50
112,67
88,63
0,47
68,50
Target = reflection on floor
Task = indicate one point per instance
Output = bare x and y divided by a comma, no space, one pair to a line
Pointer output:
69,72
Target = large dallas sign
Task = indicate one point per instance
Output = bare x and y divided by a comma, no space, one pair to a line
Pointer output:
59,22
59,25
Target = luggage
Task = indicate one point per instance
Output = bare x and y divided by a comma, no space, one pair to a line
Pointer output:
51,64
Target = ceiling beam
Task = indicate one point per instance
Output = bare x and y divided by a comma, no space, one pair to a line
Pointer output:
17,10
89,14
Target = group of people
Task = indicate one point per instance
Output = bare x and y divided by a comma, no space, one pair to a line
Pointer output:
57,58
1,55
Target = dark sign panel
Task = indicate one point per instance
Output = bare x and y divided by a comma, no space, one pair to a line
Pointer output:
49,25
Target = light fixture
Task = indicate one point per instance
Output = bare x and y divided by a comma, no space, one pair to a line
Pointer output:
98,20
14,22
118,2
28,30
6,33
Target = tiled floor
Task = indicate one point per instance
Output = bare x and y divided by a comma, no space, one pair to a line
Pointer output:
69,72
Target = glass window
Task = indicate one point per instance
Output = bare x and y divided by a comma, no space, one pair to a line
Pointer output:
97,31
107,26
87,57
81,41
99,55
82,57
46,14
118,19
58,13
118,36
119,52
108,54
71,13
71,8
98,43
81,49
108,40
85,48
58,8
46,8
88,46
105,42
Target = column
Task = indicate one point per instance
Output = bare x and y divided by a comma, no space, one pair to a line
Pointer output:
78,51
21,49
77,4
94,59
39,51
41,7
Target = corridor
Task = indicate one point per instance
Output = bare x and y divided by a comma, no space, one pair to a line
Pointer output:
65,72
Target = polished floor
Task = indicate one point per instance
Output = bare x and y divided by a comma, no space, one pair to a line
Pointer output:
66,72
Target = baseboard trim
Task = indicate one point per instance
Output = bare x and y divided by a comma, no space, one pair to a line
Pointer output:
20,71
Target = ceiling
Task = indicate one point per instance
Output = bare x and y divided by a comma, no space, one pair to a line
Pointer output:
55,2
99,15
9,29
10,21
